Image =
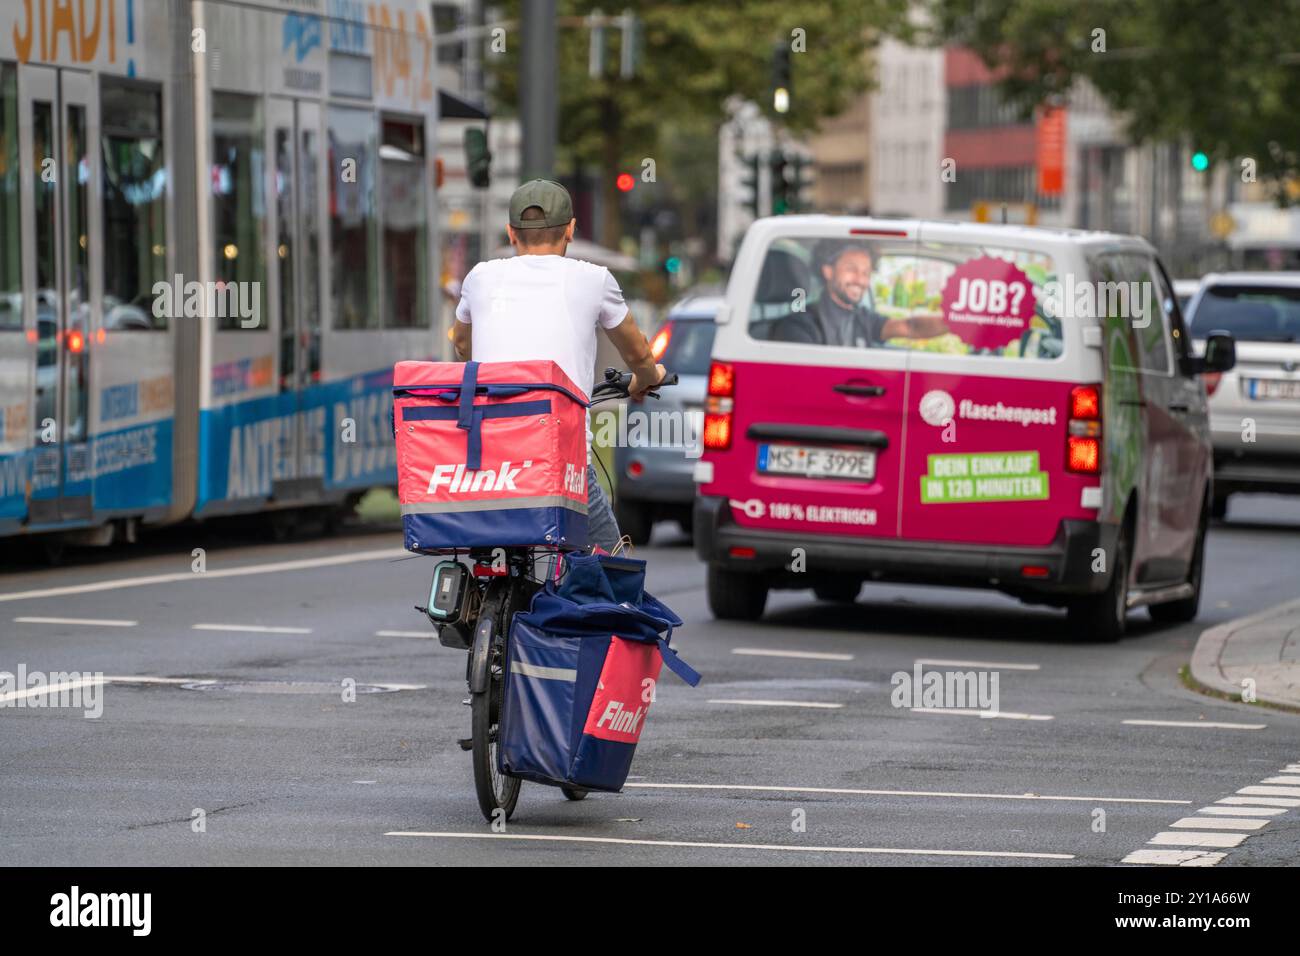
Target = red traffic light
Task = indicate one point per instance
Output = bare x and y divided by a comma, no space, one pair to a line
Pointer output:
625,182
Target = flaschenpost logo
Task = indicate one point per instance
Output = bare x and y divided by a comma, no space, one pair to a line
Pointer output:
73,690
75,908
217,300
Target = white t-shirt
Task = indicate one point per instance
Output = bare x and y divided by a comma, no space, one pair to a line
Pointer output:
541,307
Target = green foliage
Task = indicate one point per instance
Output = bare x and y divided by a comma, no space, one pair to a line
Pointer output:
695,54
1223,76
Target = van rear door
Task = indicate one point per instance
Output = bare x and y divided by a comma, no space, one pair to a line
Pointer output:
990,398
816,421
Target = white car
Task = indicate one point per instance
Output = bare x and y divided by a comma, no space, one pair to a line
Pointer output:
1255,407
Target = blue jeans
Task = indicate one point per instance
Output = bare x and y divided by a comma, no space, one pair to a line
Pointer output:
602,528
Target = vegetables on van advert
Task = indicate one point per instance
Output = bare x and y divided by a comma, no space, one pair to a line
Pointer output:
983,476
988,303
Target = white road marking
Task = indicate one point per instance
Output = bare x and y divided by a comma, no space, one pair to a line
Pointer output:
1174,857
301,564
77,621
895,793
405,634
1260,802
365,781
1271,791
805,655
1220,840
778,847
397,686
157,680
45,689
818,705
251,628
966,712
1217,823
986,665
1290,781
1195,723
1241,811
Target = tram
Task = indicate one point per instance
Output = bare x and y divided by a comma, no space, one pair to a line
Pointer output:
217,235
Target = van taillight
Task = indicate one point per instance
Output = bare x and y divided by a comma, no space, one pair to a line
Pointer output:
718,406
1212,380
1083,434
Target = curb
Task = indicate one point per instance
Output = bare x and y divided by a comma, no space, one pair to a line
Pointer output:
1209,650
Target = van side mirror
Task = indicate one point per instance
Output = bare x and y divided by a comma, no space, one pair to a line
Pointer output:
1220,352
478,158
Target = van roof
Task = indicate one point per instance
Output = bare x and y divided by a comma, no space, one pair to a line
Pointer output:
1287,279
983,232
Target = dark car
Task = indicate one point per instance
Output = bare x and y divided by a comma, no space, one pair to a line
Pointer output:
656,454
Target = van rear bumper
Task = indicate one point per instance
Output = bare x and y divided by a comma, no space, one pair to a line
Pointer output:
1068,558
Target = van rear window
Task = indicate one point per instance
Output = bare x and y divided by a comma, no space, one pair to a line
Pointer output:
931,297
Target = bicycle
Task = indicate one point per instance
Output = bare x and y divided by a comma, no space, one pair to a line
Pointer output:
502,582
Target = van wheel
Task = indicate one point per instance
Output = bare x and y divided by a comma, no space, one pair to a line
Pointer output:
1103,617
1219,507
634,521
838,590
1185,609
734,595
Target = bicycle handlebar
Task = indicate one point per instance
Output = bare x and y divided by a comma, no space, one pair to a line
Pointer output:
617,384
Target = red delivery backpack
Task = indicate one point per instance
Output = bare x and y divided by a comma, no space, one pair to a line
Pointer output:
490,454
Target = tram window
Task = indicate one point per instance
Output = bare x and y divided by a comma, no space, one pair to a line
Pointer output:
239,210
354,248
135,191
406,248
11,283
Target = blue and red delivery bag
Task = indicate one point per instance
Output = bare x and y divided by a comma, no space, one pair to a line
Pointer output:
581,669
490,454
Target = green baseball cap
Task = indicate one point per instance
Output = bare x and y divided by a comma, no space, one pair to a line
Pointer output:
551,198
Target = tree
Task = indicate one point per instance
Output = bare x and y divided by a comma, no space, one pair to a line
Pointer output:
695,55
1224,76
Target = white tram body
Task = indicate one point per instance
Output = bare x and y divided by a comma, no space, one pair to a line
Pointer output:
217,235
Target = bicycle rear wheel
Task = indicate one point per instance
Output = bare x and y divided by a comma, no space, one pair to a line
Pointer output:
497,793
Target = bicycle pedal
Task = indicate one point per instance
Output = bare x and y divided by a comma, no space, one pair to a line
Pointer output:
466,744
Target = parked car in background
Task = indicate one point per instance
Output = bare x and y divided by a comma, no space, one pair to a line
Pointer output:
946,403
1255,407
654,458
1184,289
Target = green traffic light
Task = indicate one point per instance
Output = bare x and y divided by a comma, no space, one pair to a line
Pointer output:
673,265
1200,162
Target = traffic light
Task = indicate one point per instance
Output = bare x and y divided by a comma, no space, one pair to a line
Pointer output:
782,197
781,78
1200,162
749,185
672,265
478,158
800,183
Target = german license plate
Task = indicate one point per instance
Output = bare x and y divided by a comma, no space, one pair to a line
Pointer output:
1264,388
814,462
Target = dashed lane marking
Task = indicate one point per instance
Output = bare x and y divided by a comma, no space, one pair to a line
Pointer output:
1241,811
405,634
1174,857
1220,840
1217,823
251,628
816,705
986,665
970,712
802,655
76,621
691,844
853,791
1218,725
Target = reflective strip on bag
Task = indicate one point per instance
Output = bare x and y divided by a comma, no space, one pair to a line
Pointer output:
569,674
494,504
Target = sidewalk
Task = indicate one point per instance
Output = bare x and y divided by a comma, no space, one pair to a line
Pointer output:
1264,647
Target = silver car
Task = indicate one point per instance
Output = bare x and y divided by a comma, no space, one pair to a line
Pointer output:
1255,407
655,458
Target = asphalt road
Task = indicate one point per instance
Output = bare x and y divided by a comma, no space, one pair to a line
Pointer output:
789,753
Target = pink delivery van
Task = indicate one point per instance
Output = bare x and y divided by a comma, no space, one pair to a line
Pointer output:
955,403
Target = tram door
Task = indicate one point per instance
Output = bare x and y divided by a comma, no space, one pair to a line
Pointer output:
57,130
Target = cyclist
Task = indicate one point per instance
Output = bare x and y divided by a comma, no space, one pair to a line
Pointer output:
541,305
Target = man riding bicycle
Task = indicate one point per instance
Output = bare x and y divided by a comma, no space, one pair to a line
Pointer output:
541,305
